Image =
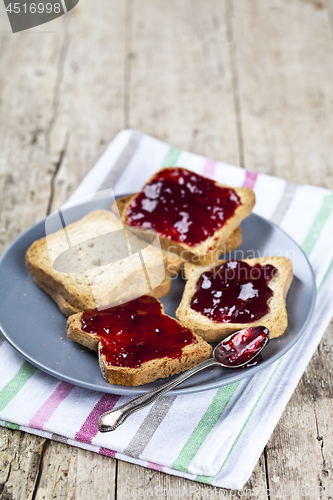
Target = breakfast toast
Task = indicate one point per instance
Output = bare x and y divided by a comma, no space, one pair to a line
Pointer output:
193,216
87,274
175,261
223,299
137,343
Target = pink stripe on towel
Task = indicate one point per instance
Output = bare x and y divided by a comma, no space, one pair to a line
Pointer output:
209,168
47,409
250,179
108,453
158,467
90,427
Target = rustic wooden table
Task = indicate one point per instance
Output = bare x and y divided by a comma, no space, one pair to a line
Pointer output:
245,81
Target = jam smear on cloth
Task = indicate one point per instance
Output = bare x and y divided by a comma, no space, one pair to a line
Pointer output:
182,206
234,292
136,332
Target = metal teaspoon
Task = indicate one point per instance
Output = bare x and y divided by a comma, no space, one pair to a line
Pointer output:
235,351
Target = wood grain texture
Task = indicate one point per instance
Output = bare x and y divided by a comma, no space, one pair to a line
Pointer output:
88,106
69,472
20,458
180,76
299,452
284,70
137,482
26,166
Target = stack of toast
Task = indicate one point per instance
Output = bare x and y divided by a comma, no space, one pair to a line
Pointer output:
196,220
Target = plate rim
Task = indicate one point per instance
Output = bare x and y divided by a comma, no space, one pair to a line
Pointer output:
133,391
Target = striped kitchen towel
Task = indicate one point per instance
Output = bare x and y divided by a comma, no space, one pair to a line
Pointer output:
214,436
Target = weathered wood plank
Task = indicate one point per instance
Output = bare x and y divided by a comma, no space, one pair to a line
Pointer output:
300,449
181,82
20,457
89,107
284,56
26,94
73,473
137,482
319,373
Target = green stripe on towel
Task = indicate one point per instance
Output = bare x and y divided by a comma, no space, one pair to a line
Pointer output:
15,384
318,225
206,424
330,267
10,425
171,157
210,479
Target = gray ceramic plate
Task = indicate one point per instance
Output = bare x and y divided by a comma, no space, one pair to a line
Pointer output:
34,326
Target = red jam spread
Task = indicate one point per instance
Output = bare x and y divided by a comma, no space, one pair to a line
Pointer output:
182,206
234,292
242,346
136,332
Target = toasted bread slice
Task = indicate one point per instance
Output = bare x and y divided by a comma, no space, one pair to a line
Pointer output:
175,261
97,282
191,354
275,320
68,310
64,306
208,251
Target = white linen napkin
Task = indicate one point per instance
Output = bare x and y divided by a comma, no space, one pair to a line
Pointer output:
214,436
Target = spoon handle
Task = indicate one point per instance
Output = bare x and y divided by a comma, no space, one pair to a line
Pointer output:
110,420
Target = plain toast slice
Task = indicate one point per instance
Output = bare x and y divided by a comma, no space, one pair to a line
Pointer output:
68,310
65,307
97,281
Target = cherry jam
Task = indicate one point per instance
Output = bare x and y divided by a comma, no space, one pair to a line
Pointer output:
234,292
182,206
242,346
136,332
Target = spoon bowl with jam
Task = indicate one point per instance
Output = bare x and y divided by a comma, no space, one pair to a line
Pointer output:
235,351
